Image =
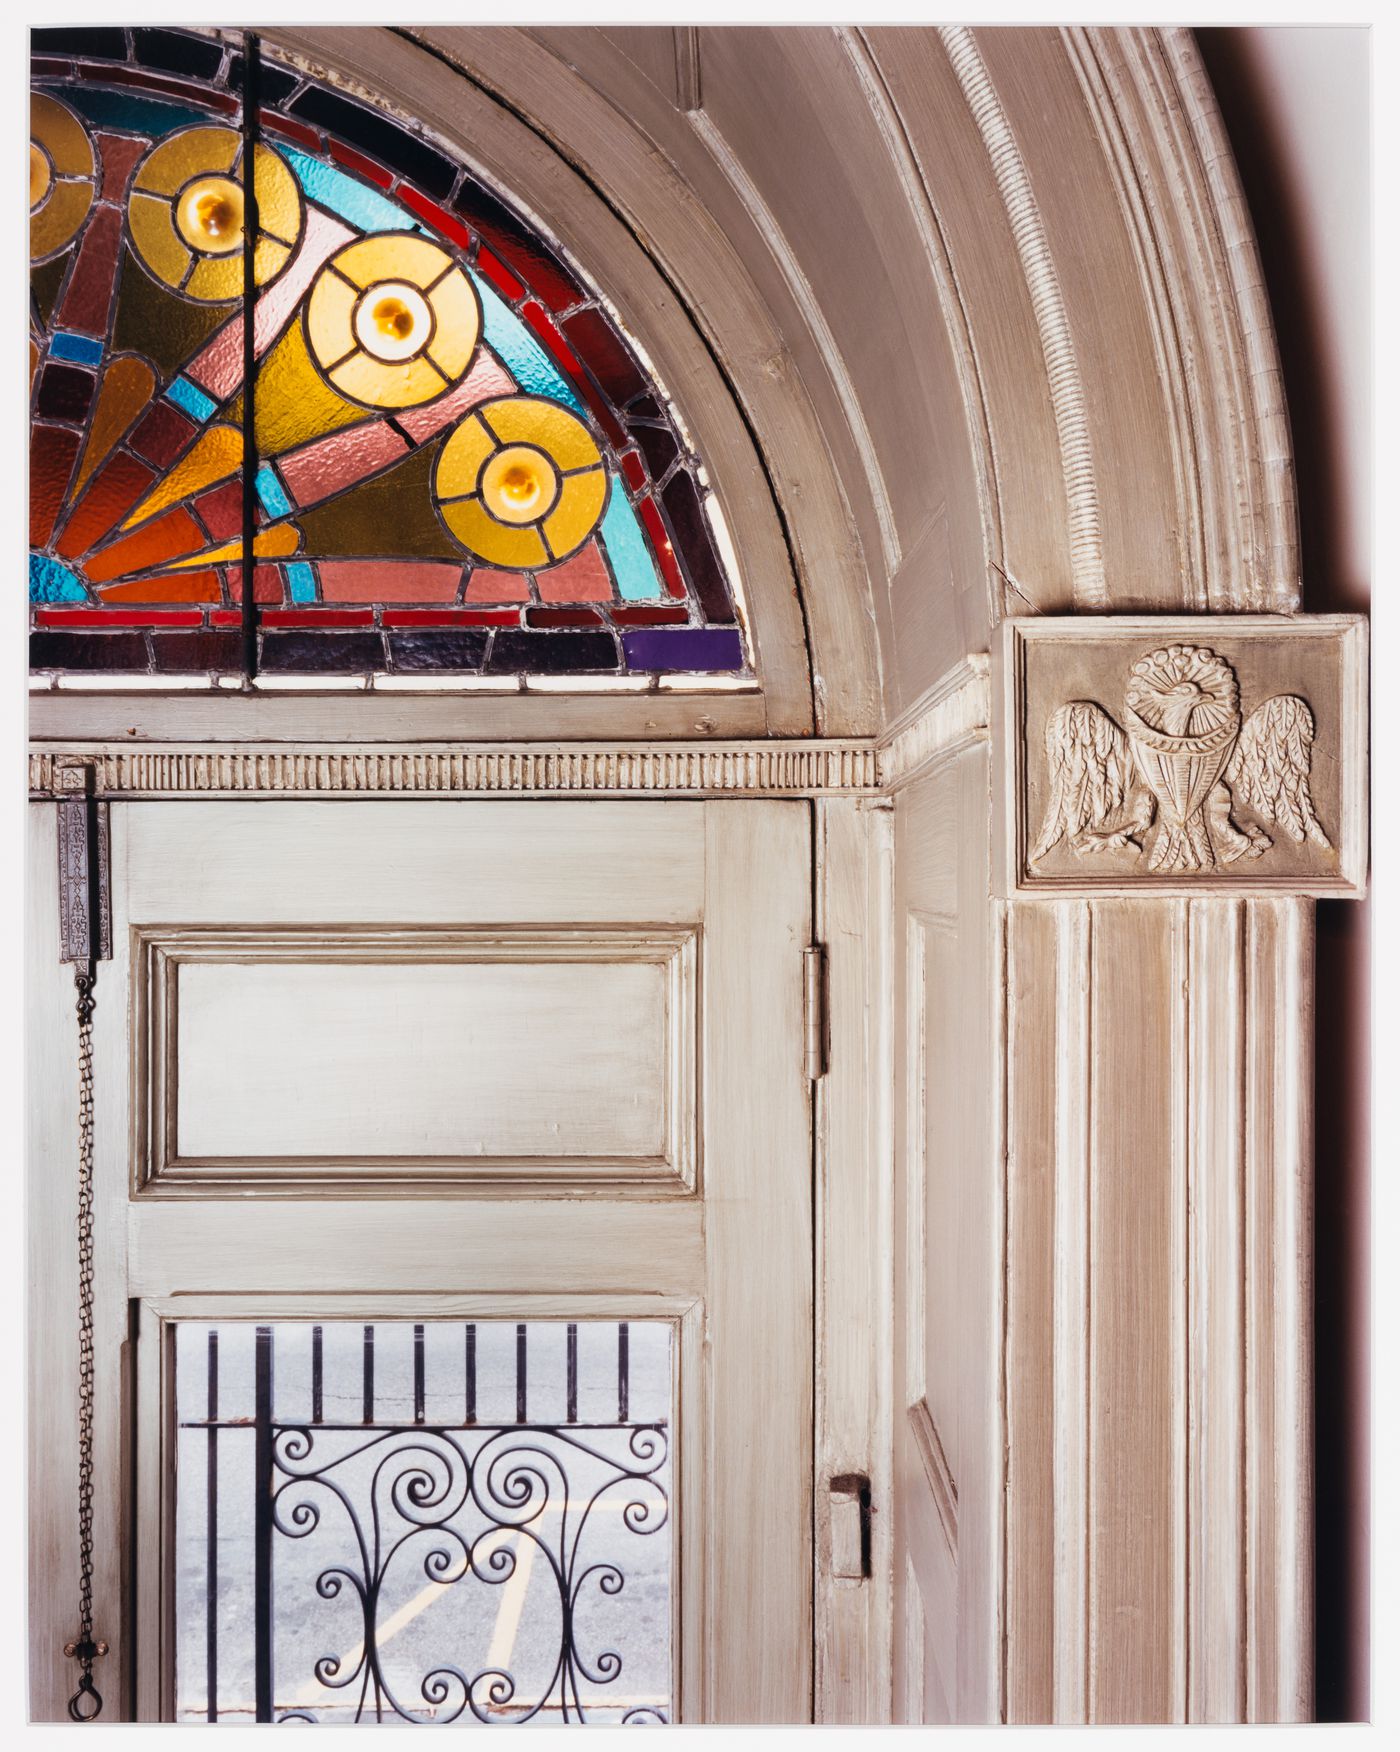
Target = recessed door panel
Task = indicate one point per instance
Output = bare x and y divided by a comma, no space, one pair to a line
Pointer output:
360,1059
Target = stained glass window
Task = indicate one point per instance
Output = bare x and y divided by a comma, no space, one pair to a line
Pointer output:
460,467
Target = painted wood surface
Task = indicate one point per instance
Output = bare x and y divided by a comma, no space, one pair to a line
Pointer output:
722,890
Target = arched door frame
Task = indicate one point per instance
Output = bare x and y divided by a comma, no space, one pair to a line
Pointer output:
1082,277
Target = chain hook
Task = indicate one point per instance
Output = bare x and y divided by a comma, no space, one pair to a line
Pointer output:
85,1705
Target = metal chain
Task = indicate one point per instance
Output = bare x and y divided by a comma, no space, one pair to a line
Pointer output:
86,1702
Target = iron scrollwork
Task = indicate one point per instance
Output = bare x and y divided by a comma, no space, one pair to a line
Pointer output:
462,1504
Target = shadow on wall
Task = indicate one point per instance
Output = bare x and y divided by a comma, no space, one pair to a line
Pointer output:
1271,135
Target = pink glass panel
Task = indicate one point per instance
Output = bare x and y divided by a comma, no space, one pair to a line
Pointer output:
389,580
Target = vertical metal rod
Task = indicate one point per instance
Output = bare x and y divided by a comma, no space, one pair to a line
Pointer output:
471,1373
262,1525
317,1373
211,1538
571,1412
419,1376
521,1408
369,1374
252,82
623,1372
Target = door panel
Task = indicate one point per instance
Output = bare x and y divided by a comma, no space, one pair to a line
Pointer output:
496,1062
363,1058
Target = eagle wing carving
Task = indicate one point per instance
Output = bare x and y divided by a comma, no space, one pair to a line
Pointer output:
1091,779
1270,769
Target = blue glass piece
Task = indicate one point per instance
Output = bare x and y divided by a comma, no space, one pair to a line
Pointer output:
363,206
628,551
192,399
131,114
50,582
79,348
520,353
301,581
272,493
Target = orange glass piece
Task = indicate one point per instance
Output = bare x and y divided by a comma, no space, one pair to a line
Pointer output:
40,175
157,544
213,457
127,385
275,542
111,492
172,587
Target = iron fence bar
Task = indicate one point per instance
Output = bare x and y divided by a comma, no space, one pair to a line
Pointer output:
211,1539
419,1375
264,1484
571,1347
623,1372
471,1372
521,1365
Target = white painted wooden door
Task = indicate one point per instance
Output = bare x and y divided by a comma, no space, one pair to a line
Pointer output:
445,1064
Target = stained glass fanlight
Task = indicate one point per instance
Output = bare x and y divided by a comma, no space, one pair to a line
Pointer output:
460,466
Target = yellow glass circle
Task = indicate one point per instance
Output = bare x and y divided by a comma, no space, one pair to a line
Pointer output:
62,172
518,485
209,215
186,213
40,175
393,321
521,482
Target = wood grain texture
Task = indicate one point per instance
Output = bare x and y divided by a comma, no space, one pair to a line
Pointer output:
403,885
758,1211
53,1303
854,1183
1176,1502
338,1061
948,1240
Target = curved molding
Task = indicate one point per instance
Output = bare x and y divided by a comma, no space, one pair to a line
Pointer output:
1047,300
654,167
1164,140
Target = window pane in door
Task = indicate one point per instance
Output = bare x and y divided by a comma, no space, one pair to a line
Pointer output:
432,1522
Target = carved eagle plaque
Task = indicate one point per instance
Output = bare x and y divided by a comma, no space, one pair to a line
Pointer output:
1221,754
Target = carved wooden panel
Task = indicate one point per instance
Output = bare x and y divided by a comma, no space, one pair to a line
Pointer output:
1206,754
362,1058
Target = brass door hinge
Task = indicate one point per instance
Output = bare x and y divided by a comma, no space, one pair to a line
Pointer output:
815,1028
